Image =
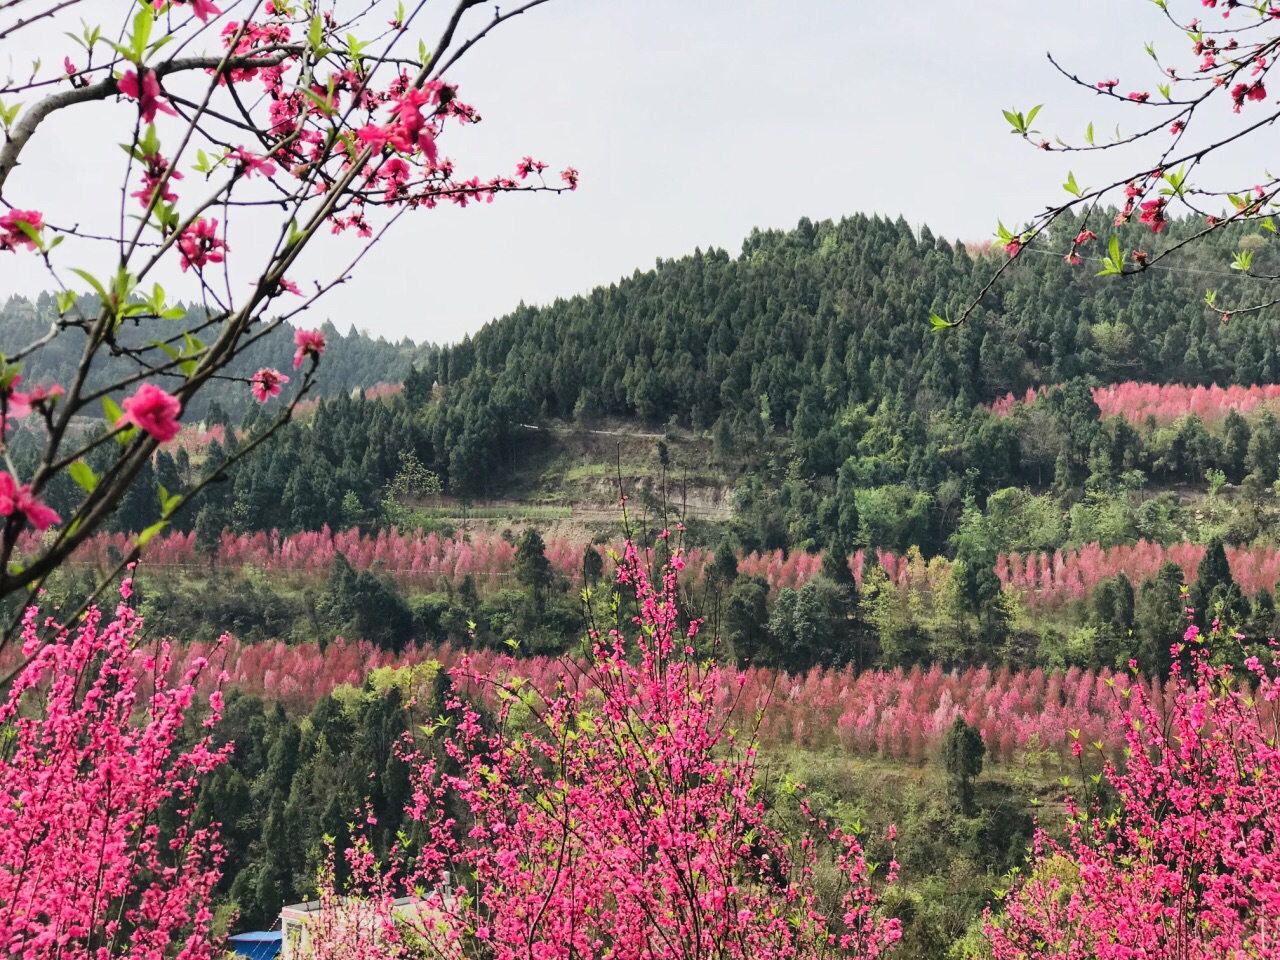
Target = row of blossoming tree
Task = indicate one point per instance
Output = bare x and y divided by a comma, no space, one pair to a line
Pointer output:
1164,403
1045,580
894,714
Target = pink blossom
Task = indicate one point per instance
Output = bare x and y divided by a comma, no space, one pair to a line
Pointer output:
19,500
200,244
153,410
12,236
411,132
147,95
200,8
529,165
1153,214
266,384
252,163
155,173
310,344
81,778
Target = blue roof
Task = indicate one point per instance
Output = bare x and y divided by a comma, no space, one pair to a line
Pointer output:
257,944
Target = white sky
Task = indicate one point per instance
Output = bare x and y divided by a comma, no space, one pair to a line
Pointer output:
692,122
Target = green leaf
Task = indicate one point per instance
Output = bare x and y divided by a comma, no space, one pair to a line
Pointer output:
112,410
323,104
92,281
146,535
66,299
141,34
1088,133
169,502
83,475
8,114
1071,186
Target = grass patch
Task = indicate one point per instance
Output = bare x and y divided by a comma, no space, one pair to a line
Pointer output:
592,471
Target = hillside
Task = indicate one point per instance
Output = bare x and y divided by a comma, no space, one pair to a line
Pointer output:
802,401
354,360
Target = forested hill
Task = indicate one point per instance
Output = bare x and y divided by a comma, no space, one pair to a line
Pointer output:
351,361
833,313
808,330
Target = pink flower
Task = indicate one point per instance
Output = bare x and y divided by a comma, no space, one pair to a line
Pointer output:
411,132
1153,214
252,163
157,167
570,176
12,236
21,404
1247,91
1108,85
1139,97
204,10
1084,236
70,67
153,410
147,94
529,165
266,383
373,136
200,8
310,344
200,244
19,500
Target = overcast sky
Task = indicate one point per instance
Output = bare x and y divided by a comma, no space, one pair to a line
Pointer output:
692,122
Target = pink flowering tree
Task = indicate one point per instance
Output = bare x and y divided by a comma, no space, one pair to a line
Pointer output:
1214,62
1180,856
253,132
91,756
614,814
